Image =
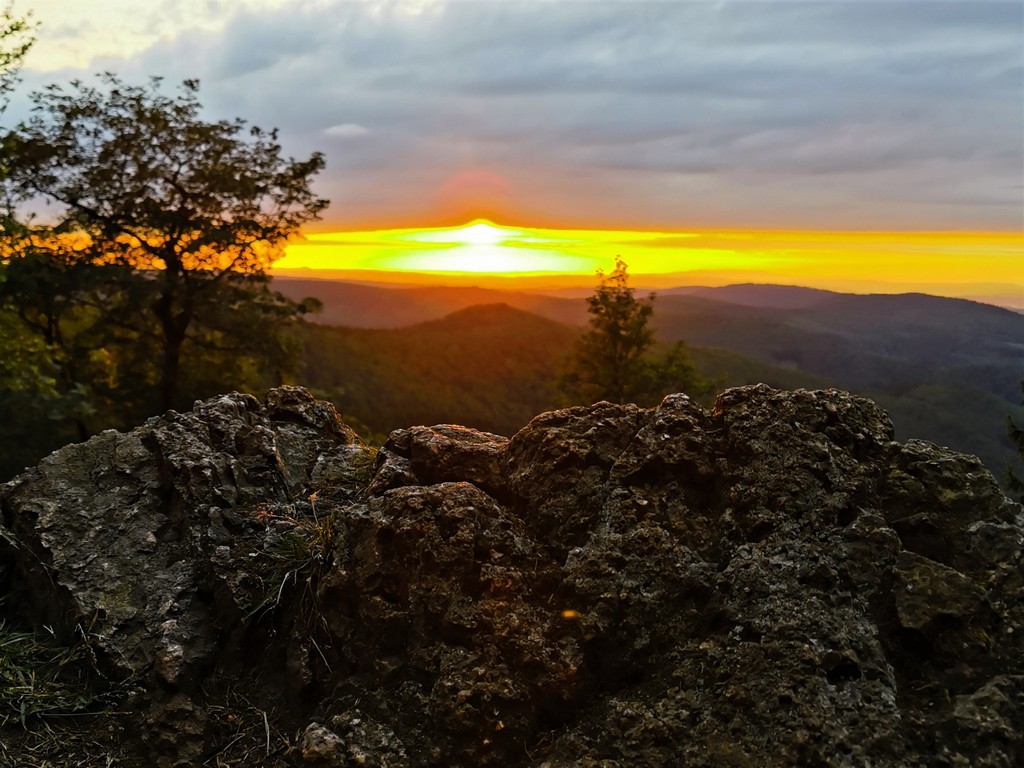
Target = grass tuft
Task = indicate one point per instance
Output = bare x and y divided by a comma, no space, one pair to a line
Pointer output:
297,556
42,678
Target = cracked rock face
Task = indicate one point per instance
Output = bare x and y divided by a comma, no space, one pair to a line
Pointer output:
127,529
771,582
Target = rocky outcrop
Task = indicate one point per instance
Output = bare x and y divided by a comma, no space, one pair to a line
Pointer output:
771,582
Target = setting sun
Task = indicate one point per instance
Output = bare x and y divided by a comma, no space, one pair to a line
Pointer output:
479,247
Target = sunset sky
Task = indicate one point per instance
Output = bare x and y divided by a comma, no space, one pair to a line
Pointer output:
707,136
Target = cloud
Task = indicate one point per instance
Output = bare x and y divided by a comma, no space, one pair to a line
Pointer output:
346,131
826,114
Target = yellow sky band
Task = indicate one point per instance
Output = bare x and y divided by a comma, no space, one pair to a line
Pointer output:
961,263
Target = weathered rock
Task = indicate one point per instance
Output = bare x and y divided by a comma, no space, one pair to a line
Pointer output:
439,454
558,468
139,536
927,591
446,607
362,742
774,581
321,746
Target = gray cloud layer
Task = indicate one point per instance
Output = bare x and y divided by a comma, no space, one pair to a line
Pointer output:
787,114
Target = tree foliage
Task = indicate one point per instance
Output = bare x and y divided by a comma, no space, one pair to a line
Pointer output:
613,360
182,215
28,375
146,286
16,38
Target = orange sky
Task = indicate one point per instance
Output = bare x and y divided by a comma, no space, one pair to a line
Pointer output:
988,266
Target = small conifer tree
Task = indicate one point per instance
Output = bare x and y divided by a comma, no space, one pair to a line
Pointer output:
612,360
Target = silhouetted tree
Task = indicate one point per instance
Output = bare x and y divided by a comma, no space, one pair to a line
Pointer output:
608,362
182,215
612,361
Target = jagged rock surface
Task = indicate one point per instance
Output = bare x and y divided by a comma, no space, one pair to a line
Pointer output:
772,582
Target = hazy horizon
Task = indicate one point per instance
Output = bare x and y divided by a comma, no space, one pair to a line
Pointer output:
581,286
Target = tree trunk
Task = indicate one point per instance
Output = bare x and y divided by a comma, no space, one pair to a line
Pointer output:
174,322
171,370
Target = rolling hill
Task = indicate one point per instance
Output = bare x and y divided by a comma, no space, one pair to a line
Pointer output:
358,305
947,370
491,367
862,342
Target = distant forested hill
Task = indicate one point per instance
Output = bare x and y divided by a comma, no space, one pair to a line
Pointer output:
356,305
490,367
946,369
883,341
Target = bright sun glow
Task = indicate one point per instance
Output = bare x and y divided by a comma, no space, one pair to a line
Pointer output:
479,232
974,264
479,246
